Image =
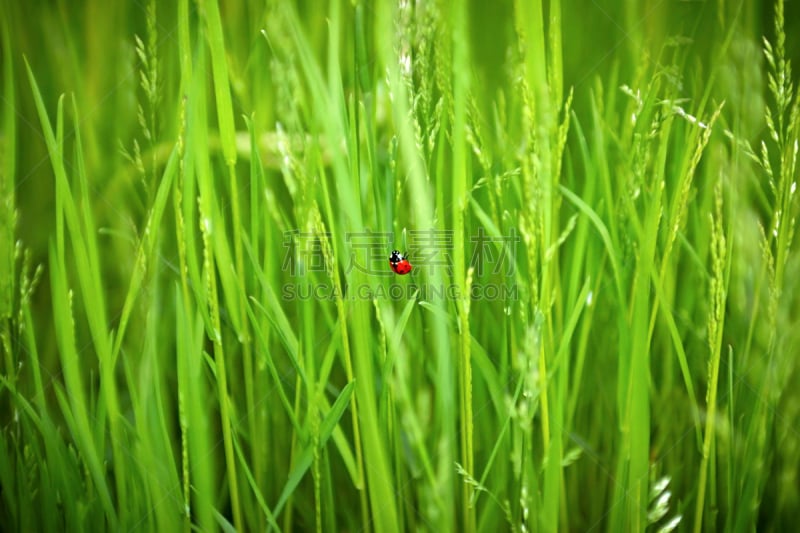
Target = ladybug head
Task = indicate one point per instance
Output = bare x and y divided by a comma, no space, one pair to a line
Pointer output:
395,256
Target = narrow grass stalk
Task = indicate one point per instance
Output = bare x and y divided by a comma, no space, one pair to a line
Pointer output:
222,379
7,192
7,208
182,305
461,170
720,267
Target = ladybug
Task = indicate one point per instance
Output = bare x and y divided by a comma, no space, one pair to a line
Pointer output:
399,263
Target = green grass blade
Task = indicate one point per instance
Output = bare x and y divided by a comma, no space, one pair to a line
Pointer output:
7,181
304,458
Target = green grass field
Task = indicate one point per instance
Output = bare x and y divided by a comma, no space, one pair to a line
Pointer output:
200,329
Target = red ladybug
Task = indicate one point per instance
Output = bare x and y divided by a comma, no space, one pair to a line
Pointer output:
399,263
